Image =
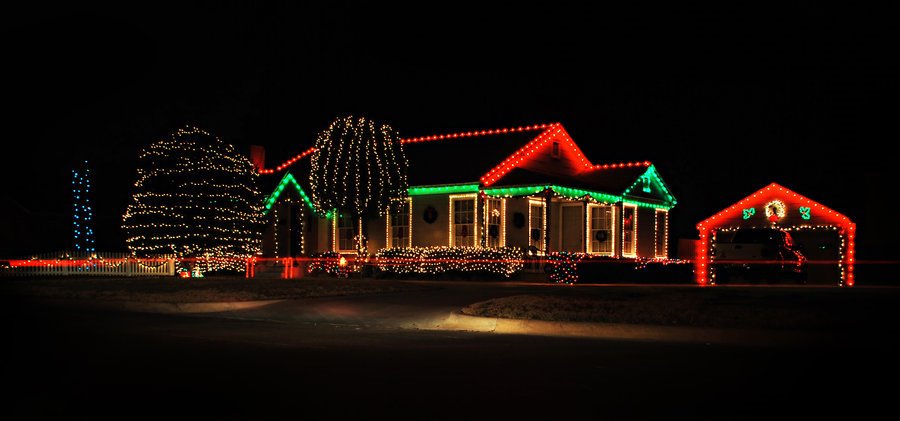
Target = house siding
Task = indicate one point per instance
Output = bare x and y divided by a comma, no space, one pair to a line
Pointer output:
516,237
646,231
436,233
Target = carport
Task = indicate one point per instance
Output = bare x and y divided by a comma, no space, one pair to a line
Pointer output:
775,206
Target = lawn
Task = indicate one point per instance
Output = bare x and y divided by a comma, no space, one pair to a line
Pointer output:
726,307
211,289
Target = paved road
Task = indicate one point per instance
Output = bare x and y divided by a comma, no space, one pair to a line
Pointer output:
66,361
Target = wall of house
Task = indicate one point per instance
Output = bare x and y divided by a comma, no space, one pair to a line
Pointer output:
646,232
436,233
323,235
543,161
572,224
377,234
516,237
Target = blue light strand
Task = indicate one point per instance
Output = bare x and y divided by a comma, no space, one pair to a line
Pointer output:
83,215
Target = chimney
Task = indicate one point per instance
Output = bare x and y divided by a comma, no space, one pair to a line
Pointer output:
258,157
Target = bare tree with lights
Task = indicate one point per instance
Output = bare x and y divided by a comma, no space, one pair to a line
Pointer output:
195,198
360,170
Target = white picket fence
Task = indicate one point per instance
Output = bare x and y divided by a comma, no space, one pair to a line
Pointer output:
82,264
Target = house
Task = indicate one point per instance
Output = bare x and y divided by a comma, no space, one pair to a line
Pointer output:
825,237
530,187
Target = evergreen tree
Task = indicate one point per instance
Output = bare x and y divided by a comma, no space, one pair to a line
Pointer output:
195,197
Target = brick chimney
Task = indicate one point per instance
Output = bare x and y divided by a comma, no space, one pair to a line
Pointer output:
258,157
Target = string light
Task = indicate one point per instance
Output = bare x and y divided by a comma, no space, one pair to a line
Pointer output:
442,189
589,226
554,132
630,251
195,198
532,202
277,223
502,261
83,212
289,162
665,234
289,180
450,227
495,209
564,267
618,165
359,168
775,210
749,212
477,133
389,228
733,217
652,174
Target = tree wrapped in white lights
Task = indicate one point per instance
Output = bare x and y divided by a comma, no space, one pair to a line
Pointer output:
195,198
359,169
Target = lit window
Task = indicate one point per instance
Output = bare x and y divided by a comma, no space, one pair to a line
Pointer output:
601,229
495,221
344,232
662,233
536,223
462,222
629,230
399,228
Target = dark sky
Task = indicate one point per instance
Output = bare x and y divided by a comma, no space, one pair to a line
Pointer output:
723,101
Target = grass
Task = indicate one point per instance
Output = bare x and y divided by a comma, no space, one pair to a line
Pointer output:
754,308
211,289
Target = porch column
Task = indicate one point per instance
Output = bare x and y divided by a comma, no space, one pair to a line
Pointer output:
481,203
548,194
587,223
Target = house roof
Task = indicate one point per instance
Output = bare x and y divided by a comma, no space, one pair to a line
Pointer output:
499,157
461,159
611,181
798,210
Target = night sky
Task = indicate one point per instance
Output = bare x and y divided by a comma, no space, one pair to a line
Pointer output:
722,101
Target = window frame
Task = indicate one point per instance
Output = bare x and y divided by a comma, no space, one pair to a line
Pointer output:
543,227
389,232
501,237
453,198
589,232
335,233
634,231
665,235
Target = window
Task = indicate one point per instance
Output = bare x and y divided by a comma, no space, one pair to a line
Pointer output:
463,220
662,233
399,224
343,231
555,151
646,181
495,222
536,224
601,229
629,230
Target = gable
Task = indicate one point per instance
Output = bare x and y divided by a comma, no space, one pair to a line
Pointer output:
289,183
755,211
649,185
538,156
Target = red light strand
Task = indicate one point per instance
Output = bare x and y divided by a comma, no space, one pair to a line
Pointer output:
477,133
289,162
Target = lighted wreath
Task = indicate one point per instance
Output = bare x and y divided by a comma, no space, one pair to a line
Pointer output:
775,210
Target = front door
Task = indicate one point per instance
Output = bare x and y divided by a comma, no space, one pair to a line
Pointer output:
572,228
